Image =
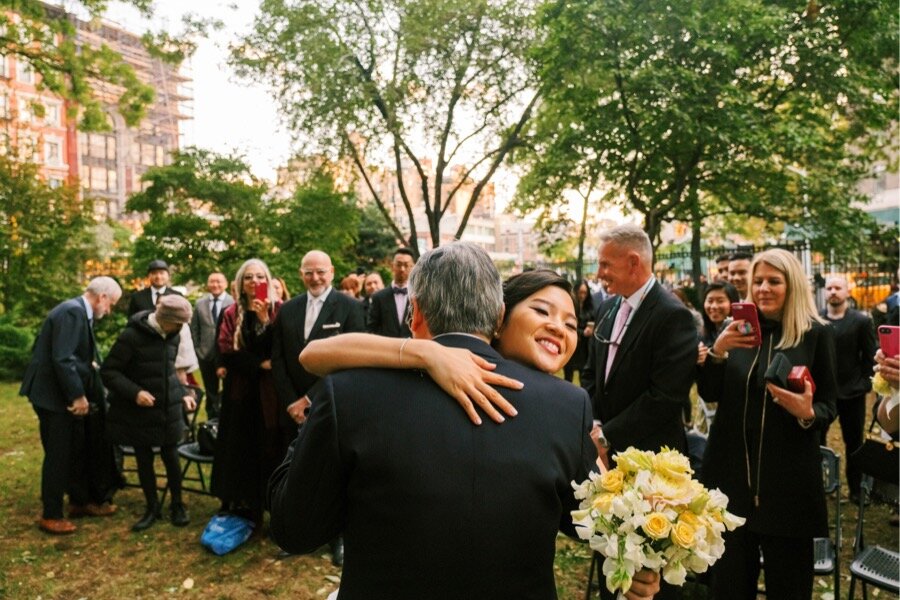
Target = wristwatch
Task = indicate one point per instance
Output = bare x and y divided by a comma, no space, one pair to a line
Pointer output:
604,443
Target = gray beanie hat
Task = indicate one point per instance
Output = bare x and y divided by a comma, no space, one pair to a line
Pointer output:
173,308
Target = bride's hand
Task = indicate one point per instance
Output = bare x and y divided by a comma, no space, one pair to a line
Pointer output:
468,379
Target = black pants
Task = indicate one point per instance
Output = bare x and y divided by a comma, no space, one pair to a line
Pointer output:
788,567
212,385
852,415
63,467
147,476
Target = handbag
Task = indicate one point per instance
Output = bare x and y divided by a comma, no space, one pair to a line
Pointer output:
877,456
206,437
225,532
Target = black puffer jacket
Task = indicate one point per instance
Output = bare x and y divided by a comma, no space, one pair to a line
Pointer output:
142,360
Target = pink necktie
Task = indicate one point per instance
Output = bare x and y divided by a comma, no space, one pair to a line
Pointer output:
618,328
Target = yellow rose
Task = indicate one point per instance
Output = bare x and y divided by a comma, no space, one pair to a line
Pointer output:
880,385
683,534
673,465
603,503
689,518
611,481
657,526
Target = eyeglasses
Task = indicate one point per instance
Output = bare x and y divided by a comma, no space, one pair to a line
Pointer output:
316,272
257,276
600,337
409,315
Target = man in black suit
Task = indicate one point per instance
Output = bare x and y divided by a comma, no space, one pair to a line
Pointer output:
641,359
204,331
389,308
58,384
389,459
318,313
642,356
145,299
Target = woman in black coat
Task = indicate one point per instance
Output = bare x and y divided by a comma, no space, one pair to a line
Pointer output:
147,400
585,310
763,449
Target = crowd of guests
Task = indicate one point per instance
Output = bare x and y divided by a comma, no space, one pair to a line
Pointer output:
637,349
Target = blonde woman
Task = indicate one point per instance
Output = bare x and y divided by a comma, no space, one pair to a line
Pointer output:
247,447
763,449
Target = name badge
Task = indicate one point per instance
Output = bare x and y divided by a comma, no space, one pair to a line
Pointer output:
331,326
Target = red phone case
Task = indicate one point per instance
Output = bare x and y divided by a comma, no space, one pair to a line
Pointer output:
746,311
262,291
889,339
796,378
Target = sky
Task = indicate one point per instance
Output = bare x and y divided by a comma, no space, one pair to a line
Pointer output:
228,114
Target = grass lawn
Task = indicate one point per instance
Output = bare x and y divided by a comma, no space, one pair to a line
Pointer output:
103,559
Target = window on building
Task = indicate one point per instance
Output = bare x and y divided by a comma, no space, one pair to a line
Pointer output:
111,181
52,114
85,174
135,152
25,113
54,182
148,155
4,66
52,151
160,156
110,148
24,71
97,147
98,179
4,106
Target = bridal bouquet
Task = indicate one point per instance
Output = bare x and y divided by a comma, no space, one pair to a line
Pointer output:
649,513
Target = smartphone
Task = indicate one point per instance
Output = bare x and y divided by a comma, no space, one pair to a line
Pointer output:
889,338
746,311
262,291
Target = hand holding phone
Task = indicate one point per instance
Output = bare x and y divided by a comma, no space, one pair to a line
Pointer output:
746,311
889,339
262,291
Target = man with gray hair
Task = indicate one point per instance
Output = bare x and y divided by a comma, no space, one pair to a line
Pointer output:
61,385
387,458
641,357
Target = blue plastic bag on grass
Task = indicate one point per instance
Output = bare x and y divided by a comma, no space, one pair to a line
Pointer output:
226,532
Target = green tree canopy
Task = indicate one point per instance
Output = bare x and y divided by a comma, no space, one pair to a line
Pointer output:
703,107
44,240
443,79
203,214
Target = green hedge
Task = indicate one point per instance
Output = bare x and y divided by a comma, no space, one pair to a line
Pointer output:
15,351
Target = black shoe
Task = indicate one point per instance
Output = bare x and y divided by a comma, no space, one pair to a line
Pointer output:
179,516
149,518
337,552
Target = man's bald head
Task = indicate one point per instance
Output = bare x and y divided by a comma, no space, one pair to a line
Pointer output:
317,272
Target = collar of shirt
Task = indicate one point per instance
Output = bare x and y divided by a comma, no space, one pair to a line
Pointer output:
394,284
89,308
321,297
638,296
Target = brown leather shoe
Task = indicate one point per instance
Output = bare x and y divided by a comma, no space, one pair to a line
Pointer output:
91,510
57,526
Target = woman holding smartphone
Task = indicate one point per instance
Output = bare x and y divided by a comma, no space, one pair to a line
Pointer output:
247,446
763,449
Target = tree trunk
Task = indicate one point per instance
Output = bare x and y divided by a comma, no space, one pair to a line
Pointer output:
696,269
582,234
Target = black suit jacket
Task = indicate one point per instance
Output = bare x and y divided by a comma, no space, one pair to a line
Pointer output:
143,299
381,317
388,459
339,314
651,376
60,368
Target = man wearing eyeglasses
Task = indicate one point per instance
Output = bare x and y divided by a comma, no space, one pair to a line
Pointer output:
316,314
641,359
389,309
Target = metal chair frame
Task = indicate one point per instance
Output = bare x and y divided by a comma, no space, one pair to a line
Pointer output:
872,565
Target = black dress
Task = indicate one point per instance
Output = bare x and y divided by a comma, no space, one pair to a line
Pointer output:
248,442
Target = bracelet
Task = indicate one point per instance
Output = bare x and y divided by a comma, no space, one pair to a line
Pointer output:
402,345
717,357
806,423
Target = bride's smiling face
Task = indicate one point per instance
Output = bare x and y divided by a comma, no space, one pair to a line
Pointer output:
541,331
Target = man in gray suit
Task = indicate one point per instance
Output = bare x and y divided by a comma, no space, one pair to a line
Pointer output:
204,327
58,383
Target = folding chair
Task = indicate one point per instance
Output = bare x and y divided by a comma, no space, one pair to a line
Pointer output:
190,420
873,565
827,551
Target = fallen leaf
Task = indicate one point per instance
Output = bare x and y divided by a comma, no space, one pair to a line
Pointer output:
50,575
188,584
333,578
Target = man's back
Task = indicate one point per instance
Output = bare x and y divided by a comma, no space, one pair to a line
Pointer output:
404,468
